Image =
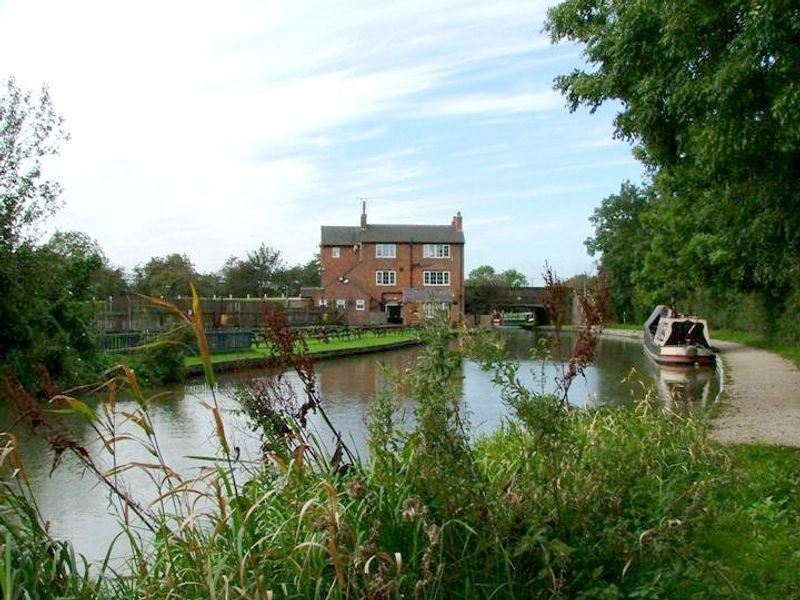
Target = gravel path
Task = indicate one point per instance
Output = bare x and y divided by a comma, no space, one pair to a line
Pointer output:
762,399
761,403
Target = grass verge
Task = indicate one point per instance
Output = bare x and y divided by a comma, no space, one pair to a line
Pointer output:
624,326
788,351
315,346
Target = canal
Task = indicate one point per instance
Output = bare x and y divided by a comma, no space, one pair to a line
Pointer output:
77,508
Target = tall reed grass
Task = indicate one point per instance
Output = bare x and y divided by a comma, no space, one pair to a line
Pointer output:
557,502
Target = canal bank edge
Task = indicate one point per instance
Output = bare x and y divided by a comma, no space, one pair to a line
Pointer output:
226,366
718,364
759,397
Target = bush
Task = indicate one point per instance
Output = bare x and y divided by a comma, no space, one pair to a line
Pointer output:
162,361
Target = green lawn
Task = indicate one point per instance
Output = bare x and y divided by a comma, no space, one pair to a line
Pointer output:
371,340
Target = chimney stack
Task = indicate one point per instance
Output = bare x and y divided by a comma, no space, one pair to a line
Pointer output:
458,222
363,214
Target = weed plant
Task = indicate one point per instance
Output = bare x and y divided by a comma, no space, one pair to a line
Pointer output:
557,503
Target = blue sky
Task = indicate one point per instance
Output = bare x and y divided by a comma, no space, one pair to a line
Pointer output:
208,128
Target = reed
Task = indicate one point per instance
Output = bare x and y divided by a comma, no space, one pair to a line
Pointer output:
556,503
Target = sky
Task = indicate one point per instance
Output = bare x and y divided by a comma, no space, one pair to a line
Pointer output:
209,128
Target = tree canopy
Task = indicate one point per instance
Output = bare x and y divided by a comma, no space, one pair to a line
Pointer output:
168,276
710,98
486,275
30,130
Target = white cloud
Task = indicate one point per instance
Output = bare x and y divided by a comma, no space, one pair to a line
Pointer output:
493,104
207,128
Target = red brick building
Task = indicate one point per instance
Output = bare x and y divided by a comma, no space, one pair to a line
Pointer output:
393,273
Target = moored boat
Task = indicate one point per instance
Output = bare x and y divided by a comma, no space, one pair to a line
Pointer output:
677,340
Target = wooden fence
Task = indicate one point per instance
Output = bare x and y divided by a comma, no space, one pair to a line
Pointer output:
136,314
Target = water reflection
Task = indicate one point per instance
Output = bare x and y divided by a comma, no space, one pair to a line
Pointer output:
79,509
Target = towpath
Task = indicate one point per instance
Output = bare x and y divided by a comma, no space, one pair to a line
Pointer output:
762,400
761,403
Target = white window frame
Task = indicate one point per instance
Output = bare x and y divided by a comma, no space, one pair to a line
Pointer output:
432,310
436,251
385,250
361,304
336,252
385,277
436,278
323,303
341,304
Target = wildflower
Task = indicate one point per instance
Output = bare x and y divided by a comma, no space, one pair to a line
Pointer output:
356,488
413,509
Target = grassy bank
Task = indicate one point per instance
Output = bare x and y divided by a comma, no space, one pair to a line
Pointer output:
559,502
625,326
788,351
315,346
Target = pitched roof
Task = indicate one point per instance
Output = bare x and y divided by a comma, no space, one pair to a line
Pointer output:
421,234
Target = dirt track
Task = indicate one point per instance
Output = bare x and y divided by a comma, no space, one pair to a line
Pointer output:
761,403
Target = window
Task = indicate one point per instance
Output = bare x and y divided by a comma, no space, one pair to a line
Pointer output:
323,303
335,252
436,277
385,278
360,304
385,250
433,310
341,303
436,251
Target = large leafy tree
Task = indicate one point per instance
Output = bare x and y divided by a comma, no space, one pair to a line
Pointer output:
30,131
710,97
258,273
302,275
44,322
623,240
168,276
87,272
486,275
513,278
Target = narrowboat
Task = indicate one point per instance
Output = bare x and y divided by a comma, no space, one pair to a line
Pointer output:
677,339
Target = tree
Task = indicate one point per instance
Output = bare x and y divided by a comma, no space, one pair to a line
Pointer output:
513,278
303,275
710,96
29,131
44,322
259,273
485,287
87,272
168,276
622,239
265,264
485,274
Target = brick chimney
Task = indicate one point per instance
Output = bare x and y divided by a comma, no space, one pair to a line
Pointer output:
363,214
458,222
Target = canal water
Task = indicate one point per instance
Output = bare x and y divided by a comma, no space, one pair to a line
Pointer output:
79,509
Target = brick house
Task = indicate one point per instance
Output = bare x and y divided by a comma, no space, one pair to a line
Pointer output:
393,273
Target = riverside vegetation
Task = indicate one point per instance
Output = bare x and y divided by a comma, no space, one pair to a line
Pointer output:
558,502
